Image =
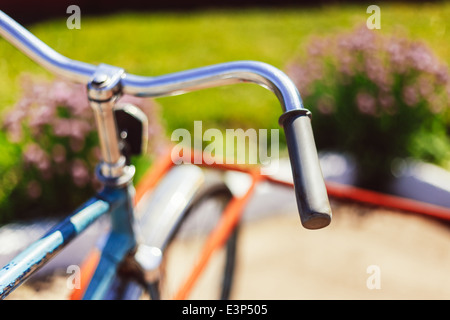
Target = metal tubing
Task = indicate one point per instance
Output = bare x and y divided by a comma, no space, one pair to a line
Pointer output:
113,161
42,54
120,242
259,73
42,250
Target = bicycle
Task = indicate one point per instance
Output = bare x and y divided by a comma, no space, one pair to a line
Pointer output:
144,223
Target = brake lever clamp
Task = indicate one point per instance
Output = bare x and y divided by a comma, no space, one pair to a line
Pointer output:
132,126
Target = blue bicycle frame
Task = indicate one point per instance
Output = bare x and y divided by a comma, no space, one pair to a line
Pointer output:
117,202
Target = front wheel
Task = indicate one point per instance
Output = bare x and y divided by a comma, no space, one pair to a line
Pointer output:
184,249
185,230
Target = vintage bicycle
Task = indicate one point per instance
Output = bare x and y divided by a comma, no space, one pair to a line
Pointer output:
145,220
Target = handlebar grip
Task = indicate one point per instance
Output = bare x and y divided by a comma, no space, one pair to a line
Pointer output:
309,185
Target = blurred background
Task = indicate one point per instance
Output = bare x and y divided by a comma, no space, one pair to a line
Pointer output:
379,97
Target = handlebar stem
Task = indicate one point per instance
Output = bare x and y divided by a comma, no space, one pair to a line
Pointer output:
104,89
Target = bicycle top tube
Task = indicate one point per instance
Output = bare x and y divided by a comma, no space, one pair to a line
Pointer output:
206,77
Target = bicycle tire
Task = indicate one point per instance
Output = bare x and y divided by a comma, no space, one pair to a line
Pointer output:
218,192
130,283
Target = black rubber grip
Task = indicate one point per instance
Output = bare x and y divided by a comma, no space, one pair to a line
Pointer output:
310,190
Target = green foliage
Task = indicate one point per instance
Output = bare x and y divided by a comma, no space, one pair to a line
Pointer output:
376,98
10,175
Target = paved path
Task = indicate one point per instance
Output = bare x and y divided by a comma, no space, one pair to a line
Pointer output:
407,255
281,260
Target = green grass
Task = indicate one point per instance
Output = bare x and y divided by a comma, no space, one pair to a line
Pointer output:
155,44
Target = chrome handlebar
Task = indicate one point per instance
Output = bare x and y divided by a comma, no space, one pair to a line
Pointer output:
166,85
310,189
42,54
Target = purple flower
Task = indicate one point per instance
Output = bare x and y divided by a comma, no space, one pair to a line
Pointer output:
76,145
37,157
366,103
58,153
80,173
34,189
61,127
410,96
326,105
79,129
387,102
345,59
346,65
377,72
33,154
421,58
395,50
41,117
318,47
362,40
13,124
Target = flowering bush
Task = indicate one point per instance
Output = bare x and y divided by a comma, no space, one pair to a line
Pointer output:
54,125
376,98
